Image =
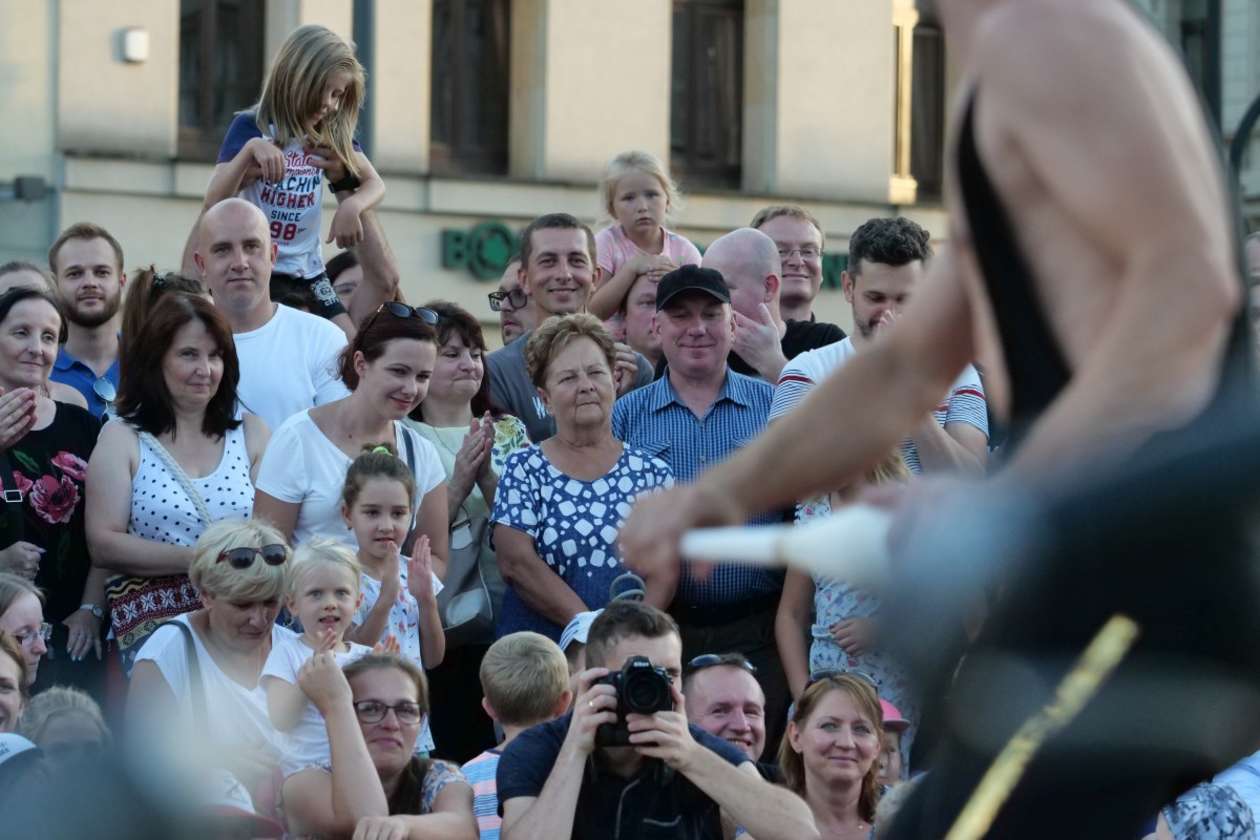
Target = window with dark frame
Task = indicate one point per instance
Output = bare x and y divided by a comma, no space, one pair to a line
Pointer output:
706,108
1199,36
220,70
468,131
927,110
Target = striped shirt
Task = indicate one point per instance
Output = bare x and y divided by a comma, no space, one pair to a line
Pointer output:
963,404
480,773
655,420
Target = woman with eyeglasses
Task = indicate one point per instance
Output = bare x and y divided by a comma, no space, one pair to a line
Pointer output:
12,683
177,458
22,617
473,438
43,470
195,683
830,754
377,787
387,367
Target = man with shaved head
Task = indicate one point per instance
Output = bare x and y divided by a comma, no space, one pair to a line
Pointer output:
287,357
748,261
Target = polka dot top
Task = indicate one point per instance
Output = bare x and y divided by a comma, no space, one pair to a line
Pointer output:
160,509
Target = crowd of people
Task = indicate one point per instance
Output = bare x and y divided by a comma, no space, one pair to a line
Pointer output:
317,551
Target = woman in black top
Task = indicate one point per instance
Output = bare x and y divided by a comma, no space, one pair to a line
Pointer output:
43,469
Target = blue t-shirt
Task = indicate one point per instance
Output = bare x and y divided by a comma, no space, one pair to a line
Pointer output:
573,524
653,804
70,371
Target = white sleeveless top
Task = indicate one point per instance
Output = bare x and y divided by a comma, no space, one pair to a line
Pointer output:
160,509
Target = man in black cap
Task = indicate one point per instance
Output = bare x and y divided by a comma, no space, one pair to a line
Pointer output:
694,416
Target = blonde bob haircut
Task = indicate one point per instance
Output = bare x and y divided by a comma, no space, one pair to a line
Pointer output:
557,333
646,163
258,582
524,677
321,552
294,90
55,702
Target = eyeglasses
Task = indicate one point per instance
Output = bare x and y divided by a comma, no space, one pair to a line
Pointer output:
373,711
713,660
402,310
807,252
26,637
105,389
242,558
833,673
516,298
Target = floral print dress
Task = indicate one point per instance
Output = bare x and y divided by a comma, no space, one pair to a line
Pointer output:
835,600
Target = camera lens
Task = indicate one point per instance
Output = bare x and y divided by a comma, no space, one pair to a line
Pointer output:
646,693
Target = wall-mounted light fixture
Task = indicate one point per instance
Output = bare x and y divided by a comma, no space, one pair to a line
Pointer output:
135,45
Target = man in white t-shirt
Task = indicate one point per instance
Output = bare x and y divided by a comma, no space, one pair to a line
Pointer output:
288,358
886,258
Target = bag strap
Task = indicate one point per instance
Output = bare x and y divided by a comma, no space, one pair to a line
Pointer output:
410,448
195,684
177,473
12,497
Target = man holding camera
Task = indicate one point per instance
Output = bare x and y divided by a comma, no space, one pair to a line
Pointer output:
626,764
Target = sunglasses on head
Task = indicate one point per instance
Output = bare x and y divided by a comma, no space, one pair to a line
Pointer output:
833,673
402,310
712,660
242,558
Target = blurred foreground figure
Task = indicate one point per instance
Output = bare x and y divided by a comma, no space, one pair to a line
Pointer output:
1093,271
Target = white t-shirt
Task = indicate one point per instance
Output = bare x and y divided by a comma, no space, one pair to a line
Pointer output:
289,364
302,466
965,402
404,625
236,714
306,744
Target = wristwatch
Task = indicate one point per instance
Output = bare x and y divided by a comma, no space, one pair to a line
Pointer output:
94,610
347,184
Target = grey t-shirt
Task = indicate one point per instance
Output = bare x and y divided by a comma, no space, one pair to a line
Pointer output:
512,390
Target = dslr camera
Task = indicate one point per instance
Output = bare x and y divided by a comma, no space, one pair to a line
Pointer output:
642,689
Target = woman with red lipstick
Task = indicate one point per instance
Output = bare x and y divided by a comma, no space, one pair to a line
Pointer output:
178,458
830,754
377,787
387,368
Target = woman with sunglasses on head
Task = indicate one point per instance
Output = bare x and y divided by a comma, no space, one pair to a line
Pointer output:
177,459
387,367
377,787
830,754
43,468
195,684
473,439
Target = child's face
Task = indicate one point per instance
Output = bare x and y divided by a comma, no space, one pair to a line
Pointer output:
325,599
890,759
381,514
639,203
330,99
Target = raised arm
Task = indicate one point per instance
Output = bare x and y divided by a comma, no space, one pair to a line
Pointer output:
451,819
1120,146
542,590
107,512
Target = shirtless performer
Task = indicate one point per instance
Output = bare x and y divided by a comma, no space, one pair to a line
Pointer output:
1093,271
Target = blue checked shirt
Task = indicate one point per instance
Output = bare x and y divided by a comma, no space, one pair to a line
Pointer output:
655,420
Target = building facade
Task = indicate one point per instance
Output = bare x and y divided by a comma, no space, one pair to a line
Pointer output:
483,113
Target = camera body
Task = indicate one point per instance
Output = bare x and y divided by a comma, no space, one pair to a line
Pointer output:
642,689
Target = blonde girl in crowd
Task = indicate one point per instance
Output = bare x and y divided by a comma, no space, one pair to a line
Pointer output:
399,594
276,154
638,196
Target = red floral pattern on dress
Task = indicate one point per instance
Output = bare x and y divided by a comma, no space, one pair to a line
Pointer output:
70,464
54,501
23,483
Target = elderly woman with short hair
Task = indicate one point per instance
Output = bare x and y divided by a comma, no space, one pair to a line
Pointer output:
561,503
199,673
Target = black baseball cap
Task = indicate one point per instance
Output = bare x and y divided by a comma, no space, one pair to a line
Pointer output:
691,278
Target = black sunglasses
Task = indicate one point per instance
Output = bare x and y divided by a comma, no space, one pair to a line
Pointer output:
402,310
242,558
712,660
516,297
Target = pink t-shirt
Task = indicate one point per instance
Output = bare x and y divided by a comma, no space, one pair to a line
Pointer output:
614,249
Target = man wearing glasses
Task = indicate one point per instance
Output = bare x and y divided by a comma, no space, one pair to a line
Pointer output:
512,304
799,238
87,267
764,340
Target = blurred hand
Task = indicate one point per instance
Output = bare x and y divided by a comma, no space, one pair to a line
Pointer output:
22,559
323,683
17,415
267,157
650,537
625,369
85,634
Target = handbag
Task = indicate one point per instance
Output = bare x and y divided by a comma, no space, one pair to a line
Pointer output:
466,603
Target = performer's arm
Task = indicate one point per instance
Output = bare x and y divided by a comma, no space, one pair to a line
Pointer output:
1119,146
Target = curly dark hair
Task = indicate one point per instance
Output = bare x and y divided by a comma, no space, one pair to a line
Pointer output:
895,242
